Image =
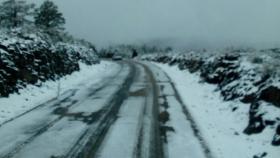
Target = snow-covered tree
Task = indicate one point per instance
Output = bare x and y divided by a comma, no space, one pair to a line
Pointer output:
15,13
48,16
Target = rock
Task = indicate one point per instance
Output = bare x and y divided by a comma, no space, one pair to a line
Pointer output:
261,155
220,71
269,122
163,59
231,57
195,65
276,138
164,117
256,123
229,94
255,126
173,62
262,80
249,98
183,65
275,50
4,48
271,95
234,109
210,75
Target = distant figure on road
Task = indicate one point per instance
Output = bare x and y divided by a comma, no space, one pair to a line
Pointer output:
134,53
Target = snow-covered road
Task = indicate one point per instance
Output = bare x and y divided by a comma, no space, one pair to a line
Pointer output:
122,115
55,127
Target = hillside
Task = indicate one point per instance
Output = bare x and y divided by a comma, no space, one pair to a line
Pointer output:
32,58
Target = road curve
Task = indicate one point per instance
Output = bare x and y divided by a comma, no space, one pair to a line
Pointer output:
118,117
78,123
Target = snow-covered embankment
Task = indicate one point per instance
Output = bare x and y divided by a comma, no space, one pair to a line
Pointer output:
32,96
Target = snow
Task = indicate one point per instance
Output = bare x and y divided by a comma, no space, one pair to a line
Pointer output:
269,111
64,132
45,133
182,141
122,138
32,96
219,125
69,130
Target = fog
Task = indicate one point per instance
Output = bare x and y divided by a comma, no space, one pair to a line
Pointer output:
182,23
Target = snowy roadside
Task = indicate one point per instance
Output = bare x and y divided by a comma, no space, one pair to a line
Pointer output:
220,125
32,96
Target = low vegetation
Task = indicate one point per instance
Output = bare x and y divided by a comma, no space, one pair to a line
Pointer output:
34,46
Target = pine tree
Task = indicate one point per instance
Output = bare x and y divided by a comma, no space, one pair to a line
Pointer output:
48,17
15,13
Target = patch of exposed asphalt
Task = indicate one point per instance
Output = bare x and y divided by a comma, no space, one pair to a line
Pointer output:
164,116
139,148
87,118
138,93
142,92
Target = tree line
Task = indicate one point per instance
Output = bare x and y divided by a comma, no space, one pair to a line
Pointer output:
19,13
46,19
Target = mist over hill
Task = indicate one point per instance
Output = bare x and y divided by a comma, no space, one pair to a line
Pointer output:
190,23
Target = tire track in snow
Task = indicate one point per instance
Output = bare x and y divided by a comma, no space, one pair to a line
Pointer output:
189,117
45,127
89,143
156,144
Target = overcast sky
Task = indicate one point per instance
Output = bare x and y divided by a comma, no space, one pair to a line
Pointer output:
190,23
